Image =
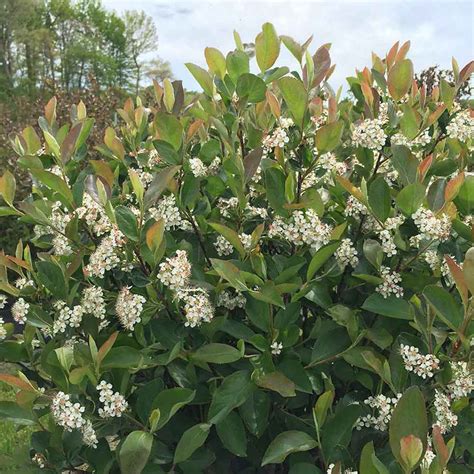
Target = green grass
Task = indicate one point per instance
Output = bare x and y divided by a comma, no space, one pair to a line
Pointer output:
14,440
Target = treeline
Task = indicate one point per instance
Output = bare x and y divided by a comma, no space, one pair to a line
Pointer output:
47,45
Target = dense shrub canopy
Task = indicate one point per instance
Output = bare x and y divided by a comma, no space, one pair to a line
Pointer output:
270,279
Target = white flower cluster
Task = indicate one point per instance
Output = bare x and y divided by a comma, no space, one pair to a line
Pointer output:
175,271
167,210
200,170
389,284
60,219
329,163
430,226
384,407
445,418
23,282
462,381
387,240
429,456
20,310
422,365
223,246
346,471
197,307
320,120
227,300
114,404
303,227
346,254
369,134
437,263
276,347
94,215
3,331
421,140
279,138
461,127
3,301
67,317
128,308
39,460
106,255
69,416
226,206
93,302
354,208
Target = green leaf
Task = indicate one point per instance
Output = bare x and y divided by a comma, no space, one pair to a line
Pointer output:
255,412
127,222
202,77
170,129
52,278
122,357
445,306
320,258
8,187
391,306
192,439
135,451
366,465
277,382
217,353
329,136
55,183
216,61
410,198
323,403
285,444
230,235
295,96
229,272
237,64
465,199
251,88
379,198
231,432
400,78
267,47
232,393
468,269
275,183
159,184
408,418
338,430
405,163
373,253
15,413
170,401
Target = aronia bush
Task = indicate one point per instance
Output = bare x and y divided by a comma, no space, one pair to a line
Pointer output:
268,278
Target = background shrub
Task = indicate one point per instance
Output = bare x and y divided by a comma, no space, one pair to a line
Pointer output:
265,279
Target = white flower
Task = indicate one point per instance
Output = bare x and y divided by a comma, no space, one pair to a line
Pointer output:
461,126
429,456
369,134
389,284
445,418
462,383
430,226
3,301
276,347
346,254
175,271
223,246
227,300
67,317
106,255
198,168
303,227
114,404
383,407
20,310
422,365
39,460
3,331
197,307
167,210
354,207
331,165
23,282
94,215
128,308
93,301
69,416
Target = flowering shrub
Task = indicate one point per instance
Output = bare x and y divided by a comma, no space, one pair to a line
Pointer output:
267,279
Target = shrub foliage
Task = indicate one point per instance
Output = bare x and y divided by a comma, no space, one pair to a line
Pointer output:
270,279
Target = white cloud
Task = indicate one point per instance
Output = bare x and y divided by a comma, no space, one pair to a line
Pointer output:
437,30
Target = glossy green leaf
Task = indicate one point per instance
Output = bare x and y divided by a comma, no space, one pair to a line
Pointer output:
285,444
192,439
135,451
216,353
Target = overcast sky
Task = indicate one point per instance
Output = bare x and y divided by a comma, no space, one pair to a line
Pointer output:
437,29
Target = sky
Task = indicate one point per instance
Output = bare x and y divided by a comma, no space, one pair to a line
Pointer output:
437,30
